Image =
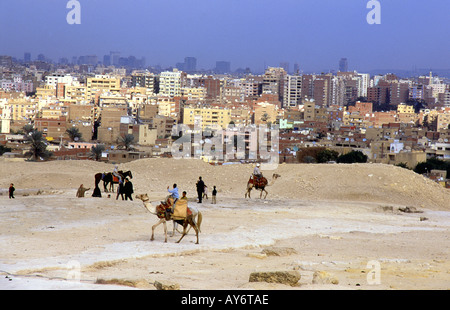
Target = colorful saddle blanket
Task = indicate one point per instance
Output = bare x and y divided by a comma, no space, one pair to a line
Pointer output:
180,212
258,182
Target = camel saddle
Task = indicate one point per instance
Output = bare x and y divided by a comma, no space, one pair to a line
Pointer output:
181,210
258,182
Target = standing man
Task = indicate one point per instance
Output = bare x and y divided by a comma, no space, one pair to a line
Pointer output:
11,191
200,189
128,189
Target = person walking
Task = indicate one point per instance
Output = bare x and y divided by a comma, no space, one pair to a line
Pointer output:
120,190
11,191
214,193
128,189
200,189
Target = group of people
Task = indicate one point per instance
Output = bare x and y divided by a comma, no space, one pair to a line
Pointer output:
202,191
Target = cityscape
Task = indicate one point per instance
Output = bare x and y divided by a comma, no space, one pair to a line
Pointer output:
284,146
401,120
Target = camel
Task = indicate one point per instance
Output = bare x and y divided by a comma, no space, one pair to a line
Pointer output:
108,179
159,211
261,185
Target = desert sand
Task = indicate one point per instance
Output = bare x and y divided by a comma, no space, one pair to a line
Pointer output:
361,226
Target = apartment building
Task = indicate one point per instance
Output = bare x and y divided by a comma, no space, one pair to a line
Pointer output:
101,83
171,83
208,117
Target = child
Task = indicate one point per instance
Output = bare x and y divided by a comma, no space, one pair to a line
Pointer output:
214,193
205,192
11,191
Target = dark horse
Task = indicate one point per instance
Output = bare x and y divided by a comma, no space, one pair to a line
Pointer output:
108,179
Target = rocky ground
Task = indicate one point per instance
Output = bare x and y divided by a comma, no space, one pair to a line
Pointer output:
361,226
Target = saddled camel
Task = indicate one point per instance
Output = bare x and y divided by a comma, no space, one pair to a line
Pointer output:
108,178
260,184
160,212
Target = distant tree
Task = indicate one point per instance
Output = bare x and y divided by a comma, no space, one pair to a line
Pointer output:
96,152
4,149
74,134
432,164
352,157
326,156
38,146
27,129
402,165
126,141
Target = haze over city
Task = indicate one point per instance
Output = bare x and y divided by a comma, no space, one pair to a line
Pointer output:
248,34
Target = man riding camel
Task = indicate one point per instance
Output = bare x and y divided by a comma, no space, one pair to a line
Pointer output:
256,172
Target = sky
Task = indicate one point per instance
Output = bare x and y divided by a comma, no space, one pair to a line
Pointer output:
316,34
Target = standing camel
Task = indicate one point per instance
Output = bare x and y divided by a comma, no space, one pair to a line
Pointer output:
159,211
261,184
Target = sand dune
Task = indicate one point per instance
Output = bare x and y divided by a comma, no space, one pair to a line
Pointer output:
335,218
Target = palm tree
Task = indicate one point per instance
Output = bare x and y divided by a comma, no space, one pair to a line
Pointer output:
126,141
38,146
96,152
74,134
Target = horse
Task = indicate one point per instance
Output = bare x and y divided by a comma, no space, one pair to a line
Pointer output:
160,212
108,178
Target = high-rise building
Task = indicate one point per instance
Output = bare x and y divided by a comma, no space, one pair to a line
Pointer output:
292,91
114,58
190,64
343,65
170,83
27,57
273,82
285,66
222,67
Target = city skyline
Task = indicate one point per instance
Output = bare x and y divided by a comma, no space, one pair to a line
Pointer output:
254,34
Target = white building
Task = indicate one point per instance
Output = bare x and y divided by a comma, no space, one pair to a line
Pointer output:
170,83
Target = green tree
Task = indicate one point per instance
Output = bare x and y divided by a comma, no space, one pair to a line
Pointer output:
96,152
126,141
74,134
38,146
4,149
327,155
352,157
27,129
432,164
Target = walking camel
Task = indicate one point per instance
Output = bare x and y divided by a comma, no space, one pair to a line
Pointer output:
260,184
159,211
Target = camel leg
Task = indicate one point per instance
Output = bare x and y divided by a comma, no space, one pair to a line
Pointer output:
165,230
265,194
184,233
175,224
153,228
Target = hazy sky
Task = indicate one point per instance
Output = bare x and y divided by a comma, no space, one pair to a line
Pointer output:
313,33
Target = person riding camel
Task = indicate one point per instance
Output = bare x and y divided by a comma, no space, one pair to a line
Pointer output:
175,195
256,172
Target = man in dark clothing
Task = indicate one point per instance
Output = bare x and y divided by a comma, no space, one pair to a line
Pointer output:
200,189
11,191
128,189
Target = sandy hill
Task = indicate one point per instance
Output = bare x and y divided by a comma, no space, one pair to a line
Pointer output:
344,182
